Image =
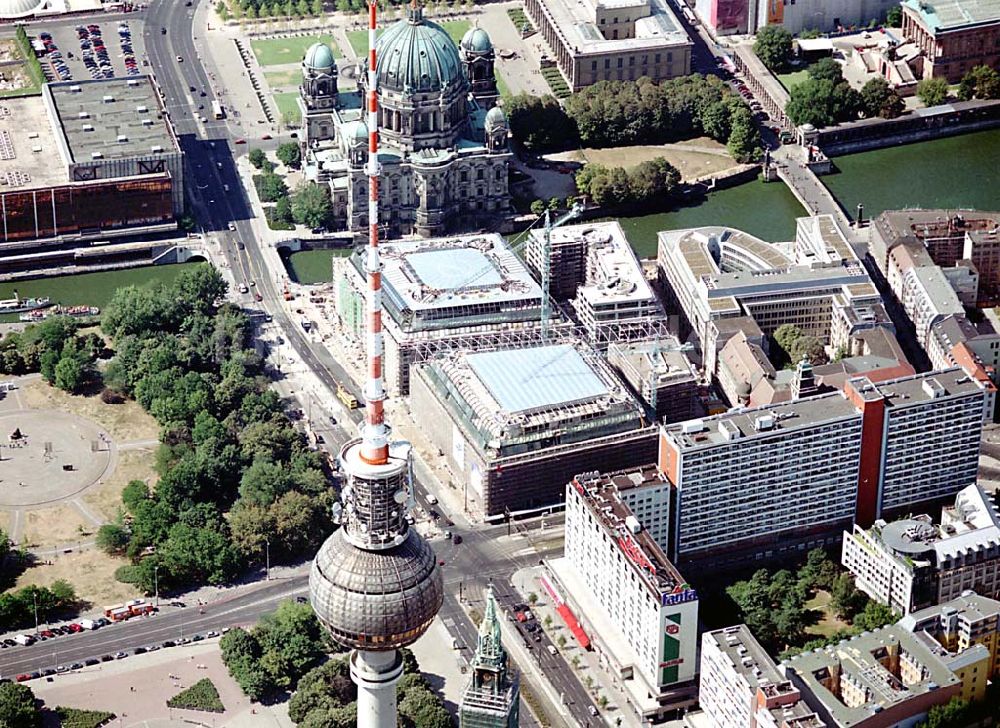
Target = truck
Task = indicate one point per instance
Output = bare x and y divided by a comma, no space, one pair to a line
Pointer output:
88,624
24,639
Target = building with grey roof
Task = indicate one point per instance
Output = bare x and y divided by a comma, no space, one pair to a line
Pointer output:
660,375
740,686
954,36
462,292
913,563
515,425
609,40
886,677
114,128
796,474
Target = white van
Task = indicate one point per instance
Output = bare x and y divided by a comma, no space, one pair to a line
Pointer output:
552,650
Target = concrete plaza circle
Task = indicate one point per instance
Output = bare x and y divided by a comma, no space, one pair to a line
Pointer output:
58,456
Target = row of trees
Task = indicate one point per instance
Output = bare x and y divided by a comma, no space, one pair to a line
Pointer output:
326,697
251,9
226,445
648,181
773,606
618,113
17,608
54,348
280,649
826,98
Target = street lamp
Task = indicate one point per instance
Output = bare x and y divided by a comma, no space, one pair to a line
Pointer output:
34,600
156,584
267,562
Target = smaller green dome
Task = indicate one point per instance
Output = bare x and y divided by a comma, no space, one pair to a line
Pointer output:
319,57
477,40
495,118
355,133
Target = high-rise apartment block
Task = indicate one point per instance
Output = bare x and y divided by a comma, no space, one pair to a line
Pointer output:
912,563
741,687
635,607
795,474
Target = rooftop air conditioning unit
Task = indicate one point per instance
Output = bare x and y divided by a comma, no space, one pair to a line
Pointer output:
633,524
692,426
762,423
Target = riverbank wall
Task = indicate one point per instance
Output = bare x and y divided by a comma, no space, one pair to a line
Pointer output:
952,119
101,258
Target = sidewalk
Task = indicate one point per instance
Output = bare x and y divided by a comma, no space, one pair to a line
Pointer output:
585,664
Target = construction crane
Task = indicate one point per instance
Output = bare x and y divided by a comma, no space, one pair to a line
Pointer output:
572,214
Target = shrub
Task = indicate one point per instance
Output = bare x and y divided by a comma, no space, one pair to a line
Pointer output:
78,718
203,695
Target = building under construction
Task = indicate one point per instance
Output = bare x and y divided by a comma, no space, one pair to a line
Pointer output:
515,425
660,375
593,267
445,294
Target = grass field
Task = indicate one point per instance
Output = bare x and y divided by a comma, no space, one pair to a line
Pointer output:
50,527
283,80
690,164
829,623
91,572
278,51
502,87
106,499
359,38
288,105
313,266
790,79
92,289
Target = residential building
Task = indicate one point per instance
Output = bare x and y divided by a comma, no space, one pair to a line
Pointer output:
879,679
740,686
443,151
961,624
597,271
636,610
492,697
913,563
612,40
515,425
463,292
794,475
954,36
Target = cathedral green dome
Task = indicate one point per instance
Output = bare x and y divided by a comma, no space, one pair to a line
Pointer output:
320,57
495,118
477,40
417,56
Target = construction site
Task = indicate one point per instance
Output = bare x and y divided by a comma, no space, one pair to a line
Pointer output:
506,420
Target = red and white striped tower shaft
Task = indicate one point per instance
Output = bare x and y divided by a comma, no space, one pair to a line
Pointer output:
375,438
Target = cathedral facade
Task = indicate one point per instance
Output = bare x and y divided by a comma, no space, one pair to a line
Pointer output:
443,144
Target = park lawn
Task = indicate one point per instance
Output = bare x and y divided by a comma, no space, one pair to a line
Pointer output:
279,51
502,87
690,163
105,499
91,572
123,422
282,80
359,38
287,104
314,266
56,526
829,623
791,79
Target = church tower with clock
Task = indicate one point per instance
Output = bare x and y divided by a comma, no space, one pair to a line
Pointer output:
492,697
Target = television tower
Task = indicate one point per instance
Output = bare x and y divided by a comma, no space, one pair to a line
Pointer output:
375,584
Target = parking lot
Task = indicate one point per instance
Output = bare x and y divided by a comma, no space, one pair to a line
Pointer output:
93,50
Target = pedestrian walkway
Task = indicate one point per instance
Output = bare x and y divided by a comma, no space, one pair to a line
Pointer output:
811,193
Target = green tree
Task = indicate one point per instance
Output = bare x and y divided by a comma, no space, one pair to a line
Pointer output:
316,7
873,616
283,210
289,154
786,335
744,137
311,205
300,522
932,91
290,643
73,368
532,598
263,482
538,207
879,99
200,288
251,526
808,347
423,708
827,69
112,538
982,82
894,17
773,46
257,157
195,555
950,715
539,124
18,707
846,600
270,187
